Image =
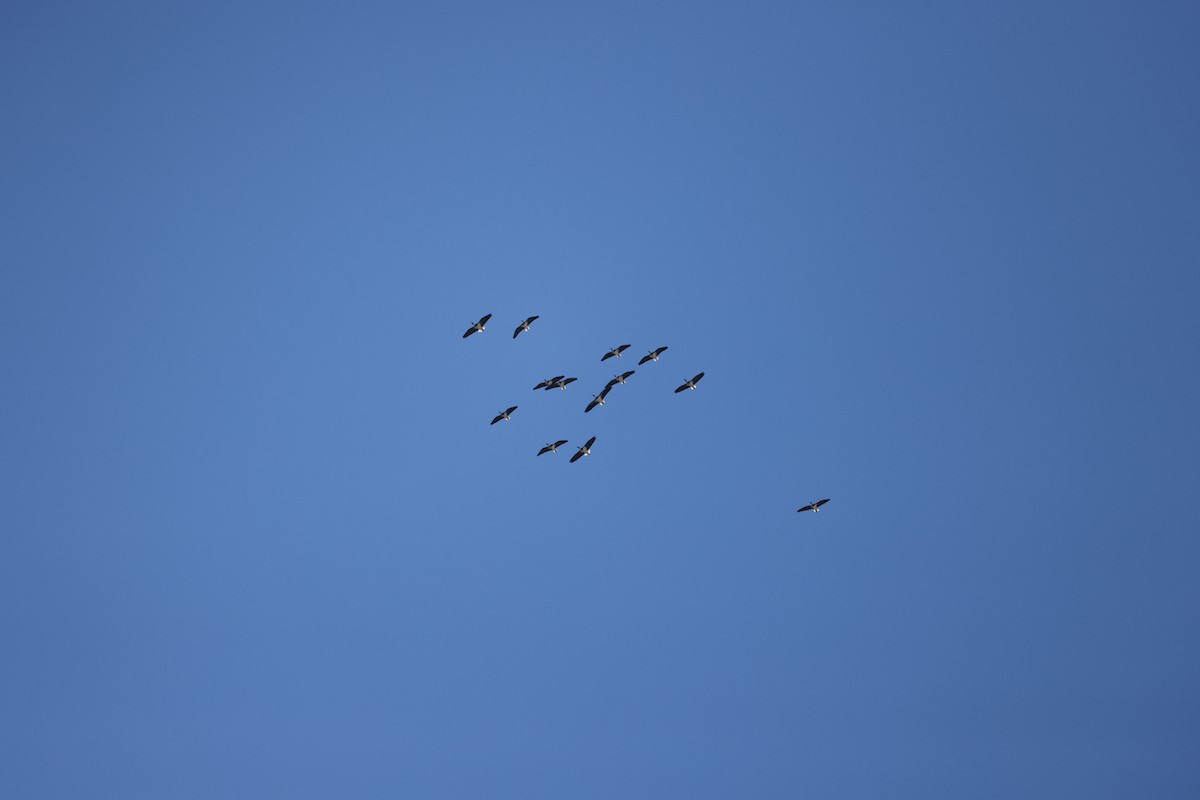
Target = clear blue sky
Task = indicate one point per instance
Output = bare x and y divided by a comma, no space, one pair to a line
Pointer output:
939,263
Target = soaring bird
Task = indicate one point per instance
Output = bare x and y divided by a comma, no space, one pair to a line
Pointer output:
652,355
597,399
616,351
619,379
586,450
552,448
559,383
690,384
504,414
814,506
524,326
478,326
546,383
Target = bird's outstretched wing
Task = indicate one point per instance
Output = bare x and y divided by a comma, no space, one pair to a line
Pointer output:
645,358
510,410
569,380
497,419
541,385
531,319
820,503
484,320
591,405
806,508
589,443
470,330
545,449
560,442
622,348
578,455
608,355
697,378
517,332
681,388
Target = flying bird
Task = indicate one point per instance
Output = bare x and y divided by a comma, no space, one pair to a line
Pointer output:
616,351
559,383
690,384
478,326
552,448
546,383
652,355
619,379
814,506
504,415
597,399
586,450
524,326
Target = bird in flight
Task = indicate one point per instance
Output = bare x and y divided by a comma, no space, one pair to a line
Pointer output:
546,383
619,379
814,506
478,326
616,351
552,448
524,326
504,415
652,355
559,383
586,450
597,399
690,384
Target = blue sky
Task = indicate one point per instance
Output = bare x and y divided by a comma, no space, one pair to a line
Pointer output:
938,263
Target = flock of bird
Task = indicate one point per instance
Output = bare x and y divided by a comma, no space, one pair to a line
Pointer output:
561,381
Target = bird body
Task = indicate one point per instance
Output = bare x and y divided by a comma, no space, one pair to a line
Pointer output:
814,506
478,326
505,414
652,355
616,351
559,383
552,447
524,326
586,450
690,384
